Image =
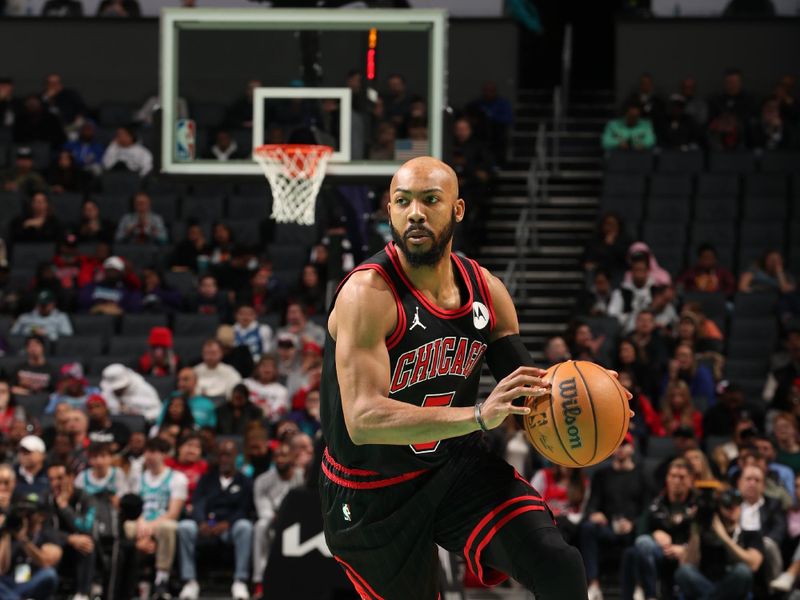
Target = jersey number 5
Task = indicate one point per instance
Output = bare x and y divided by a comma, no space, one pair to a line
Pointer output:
433,400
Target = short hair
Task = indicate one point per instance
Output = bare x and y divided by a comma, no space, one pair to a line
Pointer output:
706,247
750,450
646,311
212,341
97,448
158,444
241,388
10,470
638,257
602,271
396,76
680,463
207,275
192,435
58,464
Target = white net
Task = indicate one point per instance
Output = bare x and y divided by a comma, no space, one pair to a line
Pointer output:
295,173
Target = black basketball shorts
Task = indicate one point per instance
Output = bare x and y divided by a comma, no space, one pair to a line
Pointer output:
384,531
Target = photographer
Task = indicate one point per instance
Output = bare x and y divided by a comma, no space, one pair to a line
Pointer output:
663,532
29,551
721,559
74,514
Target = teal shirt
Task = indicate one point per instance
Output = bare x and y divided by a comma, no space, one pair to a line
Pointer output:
203,409
639,136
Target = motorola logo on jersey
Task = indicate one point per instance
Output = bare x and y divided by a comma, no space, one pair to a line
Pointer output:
438,358
480,315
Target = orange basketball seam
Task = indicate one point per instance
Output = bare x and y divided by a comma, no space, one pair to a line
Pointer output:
594,412
555,423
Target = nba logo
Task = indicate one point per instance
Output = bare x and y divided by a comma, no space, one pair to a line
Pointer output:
184,139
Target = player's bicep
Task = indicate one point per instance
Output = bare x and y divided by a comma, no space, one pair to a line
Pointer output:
365,314
506,321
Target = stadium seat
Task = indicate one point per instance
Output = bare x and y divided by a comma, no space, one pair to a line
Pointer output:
179,230
134,423
670,185
715,185
195,325
140,255
780,162
182,281
291,233
626,161
248,207
10,206
607,326
712,442
679,161
141,324
123,183
664,234
670,257
246,232
660,447
163,385
757,208
98,363
28,256
94,325
34,404
766,185
113,206
715,209
202,208
84,346
288,257
6,321
128,345
754,304
736,369
115,115
750,349
274,320
189,348
732,162
167,205
164,185
632,208
207,114
714,304
674,209
623,185
67,206
754,329
19,278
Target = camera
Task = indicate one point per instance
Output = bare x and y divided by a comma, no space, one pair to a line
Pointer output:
16,518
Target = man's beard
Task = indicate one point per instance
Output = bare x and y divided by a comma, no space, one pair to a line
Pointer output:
434,254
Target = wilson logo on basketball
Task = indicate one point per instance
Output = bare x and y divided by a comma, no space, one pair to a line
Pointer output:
571,410
444,356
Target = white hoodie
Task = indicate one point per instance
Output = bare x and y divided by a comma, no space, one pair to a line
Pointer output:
139,398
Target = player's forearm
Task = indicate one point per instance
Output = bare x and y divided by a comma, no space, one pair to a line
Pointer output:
387,421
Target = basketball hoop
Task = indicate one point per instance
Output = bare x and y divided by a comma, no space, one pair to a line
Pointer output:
295,173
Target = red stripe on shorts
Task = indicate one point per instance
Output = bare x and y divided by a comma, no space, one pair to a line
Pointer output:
495,528
370,485
350,570
354,472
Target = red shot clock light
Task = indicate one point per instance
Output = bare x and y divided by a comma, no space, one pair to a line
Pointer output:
372,48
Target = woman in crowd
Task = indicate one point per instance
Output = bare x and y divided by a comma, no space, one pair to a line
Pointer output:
93,228
658,275
310,292
583,345
38,224
189,461
701,468
767,275
65,176
677,410
646,421
175,413
685,367
628,358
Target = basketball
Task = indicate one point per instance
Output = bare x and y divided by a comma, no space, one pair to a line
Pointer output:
583,420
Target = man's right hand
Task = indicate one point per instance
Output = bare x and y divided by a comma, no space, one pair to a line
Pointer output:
662,538
525,381
82,543
598,518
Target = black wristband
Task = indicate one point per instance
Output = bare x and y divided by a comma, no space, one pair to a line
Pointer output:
479,417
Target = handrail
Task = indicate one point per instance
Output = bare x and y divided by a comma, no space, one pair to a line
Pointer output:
525,234
566,67
561,97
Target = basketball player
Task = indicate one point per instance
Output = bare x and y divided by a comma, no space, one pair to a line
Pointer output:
404,469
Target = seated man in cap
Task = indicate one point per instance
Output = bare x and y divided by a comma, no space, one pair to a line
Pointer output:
35,375
127,392
112,295
44,320
72,388
30,550
31,474
21,177
721,558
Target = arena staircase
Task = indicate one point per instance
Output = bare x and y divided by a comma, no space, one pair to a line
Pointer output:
550,276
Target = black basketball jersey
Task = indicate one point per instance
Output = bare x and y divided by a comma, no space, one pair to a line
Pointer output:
435,358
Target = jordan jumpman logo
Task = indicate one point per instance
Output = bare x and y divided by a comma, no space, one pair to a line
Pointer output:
416,321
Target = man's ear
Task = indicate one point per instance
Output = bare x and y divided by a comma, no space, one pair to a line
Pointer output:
458,209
